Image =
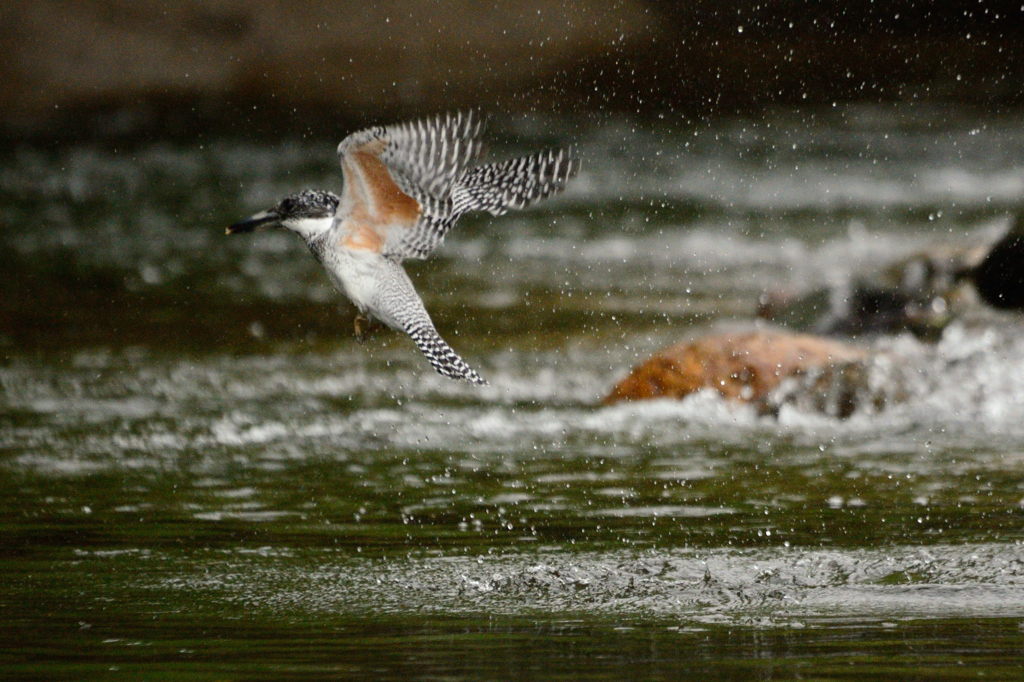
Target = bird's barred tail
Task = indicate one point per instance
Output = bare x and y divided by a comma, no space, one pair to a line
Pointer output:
397,305
516,183
445,360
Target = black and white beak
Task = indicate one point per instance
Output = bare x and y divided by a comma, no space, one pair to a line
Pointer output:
251,223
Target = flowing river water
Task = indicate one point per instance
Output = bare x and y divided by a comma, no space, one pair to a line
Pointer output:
204,476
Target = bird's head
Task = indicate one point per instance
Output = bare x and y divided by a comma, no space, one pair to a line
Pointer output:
307,213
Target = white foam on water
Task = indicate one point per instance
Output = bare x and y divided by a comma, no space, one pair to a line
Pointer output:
965,392
772,586
663,511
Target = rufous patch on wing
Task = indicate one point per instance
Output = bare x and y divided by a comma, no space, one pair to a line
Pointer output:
378,205
391,206
361,236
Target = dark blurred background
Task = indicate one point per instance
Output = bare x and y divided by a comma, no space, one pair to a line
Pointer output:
109,68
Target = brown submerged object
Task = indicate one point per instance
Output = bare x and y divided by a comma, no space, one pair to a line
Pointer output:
744,366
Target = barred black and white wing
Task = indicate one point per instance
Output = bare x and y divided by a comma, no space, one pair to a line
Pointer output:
407,184
427,156
399,178
516,183
493,187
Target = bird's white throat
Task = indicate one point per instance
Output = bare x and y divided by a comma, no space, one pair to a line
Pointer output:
307,228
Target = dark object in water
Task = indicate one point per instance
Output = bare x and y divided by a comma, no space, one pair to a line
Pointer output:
869,310
999,278
913,295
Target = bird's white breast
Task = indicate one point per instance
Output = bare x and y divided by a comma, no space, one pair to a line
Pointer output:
354,273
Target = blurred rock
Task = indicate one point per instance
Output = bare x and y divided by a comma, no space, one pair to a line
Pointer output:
745,367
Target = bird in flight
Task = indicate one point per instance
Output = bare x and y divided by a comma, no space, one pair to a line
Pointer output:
404,187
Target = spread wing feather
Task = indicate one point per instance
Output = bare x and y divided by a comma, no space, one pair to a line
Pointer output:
431,153
431,162
423,158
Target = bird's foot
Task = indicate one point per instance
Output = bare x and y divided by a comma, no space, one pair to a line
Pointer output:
362,325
